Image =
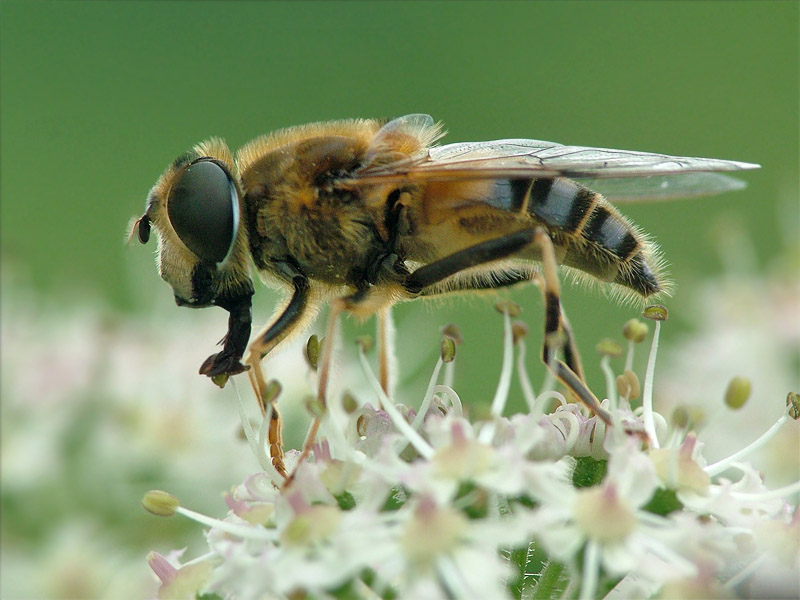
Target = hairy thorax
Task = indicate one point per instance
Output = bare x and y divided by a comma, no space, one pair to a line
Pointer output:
325,234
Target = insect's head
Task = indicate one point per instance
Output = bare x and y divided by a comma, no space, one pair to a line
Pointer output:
195,209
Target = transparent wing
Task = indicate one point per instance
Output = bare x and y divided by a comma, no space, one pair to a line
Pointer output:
571,161
669,176
663,187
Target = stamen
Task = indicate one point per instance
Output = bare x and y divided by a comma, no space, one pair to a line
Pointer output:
388,357
647,393
449,373
426,401
611,382
416,440
543,398
659,422
456,408
503,386
250,532
453,332
573,427
335,424
719,466
629,356
549,382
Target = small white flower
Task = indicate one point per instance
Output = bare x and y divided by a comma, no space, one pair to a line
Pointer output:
429,504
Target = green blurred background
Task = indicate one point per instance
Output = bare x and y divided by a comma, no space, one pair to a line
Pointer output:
98,97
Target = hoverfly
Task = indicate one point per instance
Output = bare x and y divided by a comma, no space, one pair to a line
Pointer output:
362,214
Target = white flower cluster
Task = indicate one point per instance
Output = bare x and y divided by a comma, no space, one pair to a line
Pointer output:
398,504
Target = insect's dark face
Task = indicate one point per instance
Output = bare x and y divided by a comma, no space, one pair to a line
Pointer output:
202,207
194,208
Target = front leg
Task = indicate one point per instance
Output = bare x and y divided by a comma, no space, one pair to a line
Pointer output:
265,341
272,335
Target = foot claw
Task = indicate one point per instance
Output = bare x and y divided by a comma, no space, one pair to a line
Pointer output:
221,366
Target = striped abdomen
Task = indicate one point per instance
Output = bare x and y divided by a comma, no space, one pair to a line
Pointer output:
588,233
591,235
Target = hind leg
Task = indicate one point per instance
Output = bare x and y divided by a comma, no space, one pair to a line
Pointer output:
557,333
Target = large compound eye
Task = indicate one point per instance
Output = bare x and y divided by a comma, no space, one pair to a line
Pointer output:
204,211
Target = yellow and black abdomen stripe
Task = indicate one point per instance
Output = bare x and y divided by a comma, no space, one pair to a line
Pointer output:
593,236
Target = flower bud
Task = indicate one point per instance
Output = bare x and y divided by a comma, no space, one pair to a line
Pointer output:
313,351
635,331
512,309
793,404
315,407
628,385
656,312
220,380
609,347
519,330
160,503
738,392
681,417
349,403
361,424
272,390
448,349
364,343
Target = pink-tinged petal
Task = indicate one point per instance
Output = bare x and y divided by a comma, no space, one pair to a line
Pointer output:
161,567
237,506
298,502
